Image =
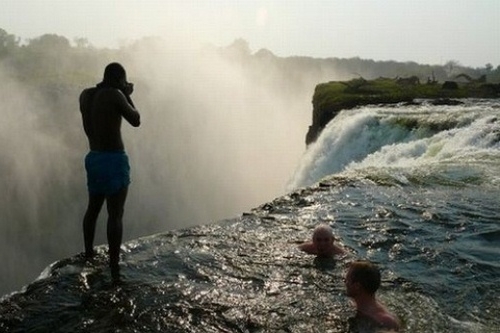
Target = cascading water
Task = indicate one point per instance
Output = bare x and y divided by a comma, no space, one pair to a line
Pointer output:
405,138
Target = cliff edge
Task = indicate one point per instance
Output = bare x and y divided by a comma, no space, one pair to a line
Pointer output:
332,97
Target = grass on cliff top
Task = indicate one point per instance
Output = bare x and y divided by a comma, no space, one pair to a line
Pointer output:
348,94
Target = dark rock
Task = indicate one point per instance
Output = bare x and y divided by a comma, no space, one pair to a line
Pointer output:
450,85
445,101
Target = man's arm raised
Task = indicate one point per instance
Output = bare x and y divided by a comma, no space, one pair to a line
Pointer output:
127,109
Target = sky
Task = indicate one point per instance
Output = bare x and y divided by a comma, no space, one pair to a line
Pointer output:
425,31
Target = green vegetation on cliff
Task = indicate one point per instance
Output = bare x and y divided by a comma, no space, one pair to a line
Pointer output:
329,98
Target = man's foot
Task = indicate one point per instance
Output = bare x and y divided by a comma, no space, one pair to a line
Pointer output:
89,254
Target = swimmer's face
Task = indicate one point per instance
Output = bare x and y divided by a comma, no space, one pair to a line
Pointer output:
323,240
349,284
352,287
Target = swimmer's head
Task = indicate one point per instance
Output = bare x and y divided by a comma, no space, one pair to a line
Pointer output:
323,238
362,276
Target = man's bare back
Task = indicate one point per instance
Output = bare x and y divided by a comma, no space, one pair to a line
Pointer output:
102,111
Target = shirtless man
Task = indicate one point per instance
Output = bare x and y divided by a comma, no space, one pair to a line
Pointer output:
322,244
108,171
362,281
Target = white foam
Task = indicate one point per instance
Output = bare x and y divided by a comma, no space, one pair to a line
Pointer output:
375,138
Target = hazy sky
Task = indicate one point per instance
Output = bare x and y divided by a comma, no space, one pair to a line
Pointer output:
425,31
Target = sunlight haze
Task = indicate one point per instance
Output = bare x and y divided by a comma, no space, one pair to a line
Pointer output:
424,31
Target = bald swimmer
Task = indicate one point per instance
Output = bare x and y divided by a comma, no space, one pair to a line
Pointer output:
322,244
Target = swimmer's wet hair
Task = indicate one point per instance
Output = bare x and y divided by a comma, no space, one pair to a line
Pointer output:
324,227
367,274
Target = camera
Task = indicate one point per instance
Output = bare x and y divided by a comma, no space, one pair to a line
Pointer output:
128,88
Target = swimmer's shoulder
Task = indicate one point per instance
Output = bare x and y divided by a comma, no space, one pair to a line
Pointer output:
308,247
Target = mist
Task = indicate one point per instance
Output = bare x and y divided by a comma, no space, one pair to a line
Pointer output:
40,174
218,137
215,139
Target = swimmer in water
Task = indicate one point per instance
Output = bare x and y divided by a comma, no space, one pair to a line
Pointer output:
322,244
362,282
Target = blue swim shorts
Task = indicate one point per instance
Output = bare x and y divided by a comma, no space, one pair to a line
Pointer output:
107,172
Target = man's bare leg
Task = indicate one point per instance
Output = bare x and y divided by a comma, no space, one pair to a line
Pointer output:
115,205
89,222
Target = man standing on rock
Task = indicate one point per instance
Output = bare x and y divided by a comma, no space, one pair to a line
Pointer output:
107,166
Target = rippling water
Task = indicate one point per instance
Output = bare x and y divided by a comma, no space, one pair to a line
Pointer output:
416,190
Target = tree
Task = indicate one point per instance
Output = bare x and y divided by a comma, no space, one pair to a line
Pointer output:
8,43
81,43
451,66
49,43
238,50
